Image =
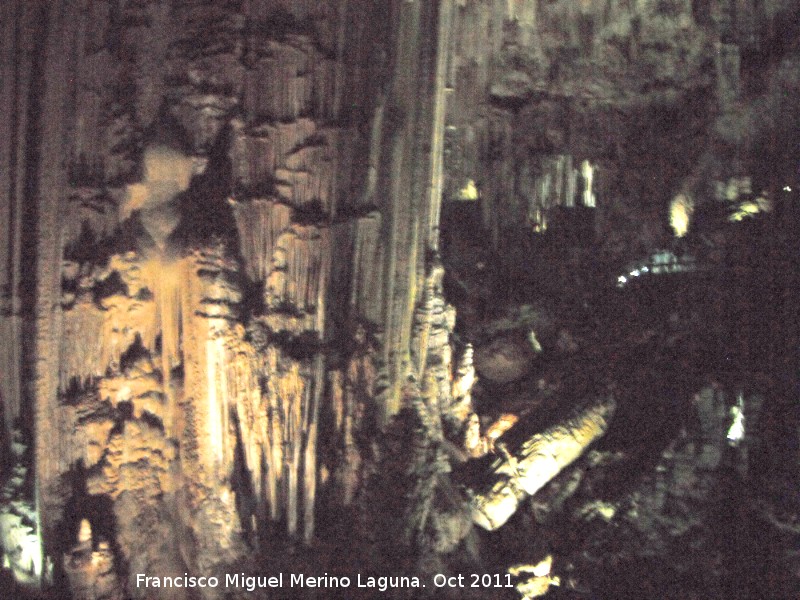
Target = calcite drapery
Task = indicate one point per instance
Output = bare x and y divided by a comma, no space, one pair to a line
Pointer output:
324,123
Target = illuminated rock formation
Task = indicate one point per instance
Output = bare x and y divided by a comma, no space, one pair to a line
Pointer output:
186,321
18,528
225,311
90,570
522,472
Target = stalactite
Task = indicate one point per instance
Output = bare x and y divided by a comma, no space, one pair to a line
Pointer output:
208,300
307,175
305,271
324,87
310,458
440,95
296,158
287,393
292,154
297,284
274,437
87,160
82,338
367,280
260,222
221,376
557,185
244,393
278,423
217,430
10,365
352,392
176,379
95,339
287,63
169,283
205,303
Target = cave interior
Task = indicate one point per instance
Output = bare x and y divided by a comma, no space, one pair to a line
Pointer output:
491,299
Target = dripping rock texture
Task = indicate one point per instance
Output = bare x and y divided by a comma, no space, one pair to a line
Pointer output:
388,288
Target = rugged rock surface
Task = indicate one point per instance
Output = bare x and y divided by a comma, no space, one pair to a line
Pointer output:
233,342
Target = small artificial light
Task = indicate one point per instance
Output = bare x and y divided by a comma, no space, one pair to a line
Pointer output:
469,191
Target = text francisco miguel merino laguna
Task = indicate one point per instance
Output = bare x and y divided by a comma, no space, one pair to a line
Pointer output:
295,580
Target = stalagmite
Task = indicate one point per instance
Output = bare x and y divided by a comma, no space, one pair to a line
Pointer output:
91,573
85,535
525,470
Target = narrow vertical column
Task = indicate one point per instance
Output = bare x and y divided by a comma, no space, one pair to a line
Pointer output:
9,368
411,173
17,34
61,19
440,96
311,429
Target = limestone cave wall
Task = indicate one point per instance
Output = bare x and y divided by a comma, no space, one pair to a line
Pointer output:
203,201
229,339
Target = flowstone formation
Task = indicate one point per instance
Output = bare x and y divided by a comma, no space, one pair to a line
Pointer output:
344,287
236,189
